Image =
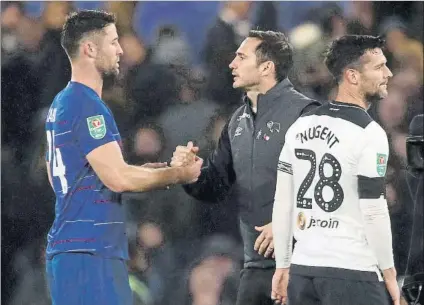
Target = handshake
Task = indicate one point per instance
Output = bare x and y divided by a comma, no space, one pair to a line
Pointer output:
185,158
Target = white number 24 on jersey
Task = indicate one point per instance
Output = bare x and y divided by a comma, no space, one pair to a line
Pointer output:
59,168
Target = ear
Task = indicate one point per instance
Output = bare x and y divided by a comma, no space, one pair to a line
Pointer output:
89,49
267,68
352,76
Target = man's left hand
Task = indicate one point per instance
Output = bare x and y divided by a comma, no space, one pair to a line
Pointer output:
280,281
264,244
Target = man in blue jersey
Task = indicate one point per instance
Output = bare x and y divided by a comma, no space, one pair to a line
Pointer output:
87,246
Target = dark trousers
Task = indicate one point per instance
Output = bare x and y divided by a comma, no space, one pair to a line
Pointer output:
304,290
255,287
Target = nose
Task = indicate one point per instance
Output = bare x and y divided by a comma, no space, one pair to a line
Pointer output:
389,73
120,52
232,64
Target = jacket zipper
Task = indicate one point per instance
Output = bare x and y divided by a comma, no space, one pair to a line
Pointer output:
254,118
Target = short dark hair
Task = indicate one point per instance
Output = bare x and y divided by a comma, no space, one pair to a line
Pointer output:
346,52
274,47
78,24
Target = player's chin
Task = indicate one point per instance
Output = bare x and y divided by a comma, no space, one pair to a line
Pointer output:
237,84
383,93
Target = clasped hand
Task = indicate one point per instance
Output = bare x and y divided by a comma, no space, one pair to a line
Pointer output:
185,156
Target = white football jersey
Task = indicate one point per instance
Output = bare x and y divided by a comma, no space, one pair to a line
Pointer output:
330,192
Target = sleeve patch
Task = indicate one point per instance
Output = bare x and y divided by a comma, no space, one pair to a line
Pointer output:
381,164
96,126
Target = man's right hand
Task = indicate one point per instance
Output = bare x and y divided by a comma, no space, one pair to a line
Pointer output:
191,172
392,285
184,155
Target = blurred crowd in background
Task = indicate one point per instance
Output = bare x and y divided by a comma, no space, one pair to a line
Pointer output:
175,86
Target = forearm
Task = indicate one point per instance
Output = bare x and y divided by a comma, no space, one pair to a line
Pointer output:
282,217
282,214
378,230
142,179
283,233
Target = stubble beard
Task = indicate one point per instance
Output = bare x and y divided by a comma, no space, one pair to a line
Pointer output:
110,78
372,98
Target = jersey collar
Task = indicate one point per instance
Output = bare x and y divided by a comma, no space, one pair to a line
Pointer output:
343,104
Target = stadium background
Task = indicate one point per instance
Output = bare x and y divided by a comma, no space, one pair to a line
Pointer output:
176,87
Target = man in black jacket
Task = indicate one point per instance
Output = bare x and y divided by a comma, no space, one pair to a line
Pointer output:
244,165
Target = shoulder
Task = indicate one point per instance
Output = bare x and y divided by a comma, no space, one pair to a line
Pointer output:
91,105
81,108
310,106
375,133
352,114
240,112
287,88
73,98
304,102
296,95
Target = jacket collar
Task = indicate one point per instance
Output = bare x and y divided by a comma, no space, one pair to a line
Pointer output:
272,94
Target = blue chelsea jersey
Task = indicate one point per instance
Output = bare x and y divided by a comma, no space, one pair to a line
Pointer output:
88,216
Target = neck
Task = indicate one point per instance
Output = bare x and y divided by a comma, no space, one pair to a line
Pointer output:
205,299
87,75
346,95
253,93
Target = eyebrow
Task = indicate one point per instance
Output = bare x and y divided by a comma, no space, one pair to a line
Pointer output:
381,64
240,54
115,39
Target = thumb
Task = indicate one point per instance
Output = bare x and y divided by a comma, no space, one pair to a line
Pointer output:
260,229
195,149
190,145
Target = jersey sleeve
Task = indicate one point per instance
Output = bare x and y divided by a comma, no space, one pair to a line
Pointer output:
93,126
283,208
372,165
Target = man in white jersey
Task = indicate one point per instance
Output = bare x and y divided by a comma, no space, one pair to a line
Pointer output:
331,191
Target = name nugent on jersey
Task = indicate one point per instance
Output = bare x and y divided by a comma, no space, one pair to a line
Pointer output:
318,132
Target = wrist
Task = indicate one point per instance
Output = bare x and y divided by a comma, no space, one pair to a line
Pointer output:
181,173
282,270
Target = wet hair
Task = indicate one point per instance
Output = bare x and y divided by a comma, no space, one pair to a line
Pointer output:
82,23
274,47
345,52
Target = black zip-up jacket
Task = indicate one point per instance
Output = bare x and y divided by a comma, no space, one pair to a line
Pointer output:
244,165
